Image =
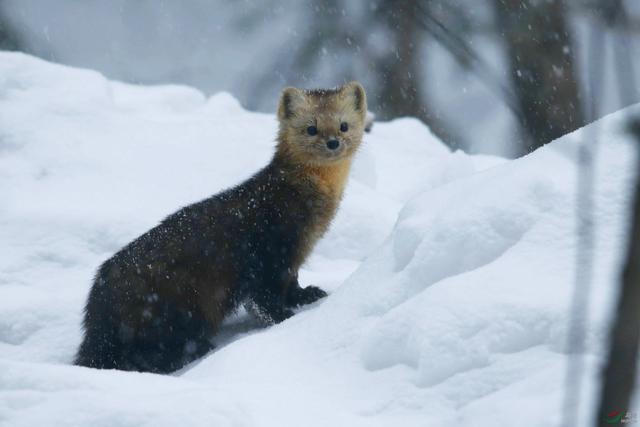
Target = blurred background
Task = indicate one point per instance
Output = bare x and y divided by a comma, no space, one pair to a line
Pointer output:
490,76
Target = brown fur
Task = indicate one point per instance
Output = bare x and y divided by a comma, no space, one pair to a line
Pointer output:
157,303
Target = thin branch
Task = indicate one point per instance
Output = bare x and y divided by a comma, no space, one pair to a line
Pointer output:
468,57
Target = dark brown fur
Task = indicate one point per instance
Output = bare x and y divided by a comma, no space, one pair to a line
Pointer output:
157,303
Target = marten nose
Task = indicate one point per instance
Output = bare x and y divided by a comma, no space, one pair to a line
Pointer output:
332,144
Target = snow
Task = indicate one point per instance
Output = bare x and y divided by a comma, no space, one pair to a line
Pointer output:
450,275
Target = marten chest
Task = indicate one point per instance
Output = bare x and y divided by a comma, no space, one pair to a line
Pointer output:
286,210
324,187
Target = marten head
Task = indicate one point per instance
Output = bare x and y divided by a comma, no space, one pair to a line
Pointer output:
321,126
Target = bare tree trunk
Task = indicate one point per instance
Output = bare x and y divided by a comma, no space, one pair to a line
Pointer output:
542,71
9,40
620,372
400,70
400,90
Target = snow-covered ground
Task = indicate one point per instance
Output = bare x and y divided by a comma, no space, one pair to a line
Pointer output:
450,275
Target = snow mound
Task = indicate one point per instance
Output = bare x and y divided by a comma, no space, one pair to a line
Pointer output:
450,275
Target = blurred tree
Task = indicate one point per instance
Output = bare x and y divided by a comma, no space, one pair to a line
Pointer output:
539,51
619,374
614,15
399,80
9,39
399,71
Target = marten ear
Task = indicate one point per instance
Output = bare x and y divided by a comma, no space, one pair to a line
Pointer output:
290,101
356,94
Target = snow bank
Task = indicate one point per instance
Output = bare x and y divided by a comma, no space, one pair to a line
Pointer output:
450,275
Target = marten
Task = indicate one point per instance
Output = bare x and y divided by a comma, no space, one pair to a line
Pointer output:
156,305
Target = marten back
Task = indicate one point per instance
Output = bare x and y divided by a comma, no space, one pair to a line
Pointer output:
157,303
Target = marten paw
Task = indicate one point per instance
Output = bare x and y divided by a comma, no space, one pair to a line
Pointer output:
307,295
267,316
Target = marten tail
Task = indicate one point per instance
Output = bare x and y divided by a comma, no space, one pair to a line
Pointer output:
173,338
100,347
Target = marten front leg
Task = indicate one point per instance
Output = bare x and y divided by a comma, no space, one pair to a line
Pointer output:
267,301
268,307
297,296
273,302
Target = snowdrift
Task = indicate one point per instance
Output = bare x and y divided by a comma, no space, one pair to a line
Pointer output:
449,275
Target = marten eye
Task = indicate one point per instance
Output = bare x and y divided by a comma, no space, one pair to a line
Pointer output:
312,130
344,126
